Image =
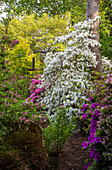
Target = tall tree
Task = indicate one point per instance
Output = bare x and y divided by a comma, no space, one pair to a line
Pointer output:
92,11
52,7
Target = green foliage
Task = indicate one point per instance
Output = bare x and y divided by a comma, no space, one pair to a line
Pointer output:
58,130
51,7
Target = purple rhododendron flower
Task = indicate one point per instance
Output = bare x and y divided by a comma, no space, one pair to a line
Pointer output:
92,132
92,153
96,156
91,139
98,140
94,105
85,167
84,144
93,125
93,117
97,112
91,111
90,99
83,107
91,163
84,116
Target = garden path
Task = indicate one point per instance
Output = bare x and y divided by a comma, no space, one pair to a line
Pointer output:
73,157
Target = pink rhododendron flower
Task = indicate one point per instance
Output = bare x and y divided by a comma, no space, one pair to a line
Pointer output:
27,120
25,113
32,100
31,91
15,100
1,113
110,79
39,75
21,77
22,118
34,116
37,103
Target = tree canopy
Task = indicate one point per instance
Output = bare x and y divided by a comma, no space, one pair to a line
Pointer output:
77,8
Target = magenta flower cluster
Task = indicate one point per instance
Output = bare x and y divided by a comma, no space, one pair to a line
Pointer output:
98,116
34,95
34,90
13,43
92,139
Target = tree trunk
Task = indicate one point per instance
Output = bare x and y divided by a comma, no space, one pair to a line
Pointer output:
92,12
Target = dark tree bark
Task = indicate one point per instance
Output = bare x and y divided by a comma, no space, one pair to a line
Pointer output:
92,12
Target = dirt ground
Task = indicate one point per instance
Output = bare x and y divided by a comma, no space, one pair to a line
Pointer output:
73,157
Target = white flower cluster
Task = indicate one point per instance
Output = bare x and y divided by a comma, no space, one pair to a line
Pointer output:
67,72
107,64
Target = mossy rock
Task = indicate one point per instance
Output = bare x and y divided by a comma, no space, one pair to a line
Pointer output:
25,149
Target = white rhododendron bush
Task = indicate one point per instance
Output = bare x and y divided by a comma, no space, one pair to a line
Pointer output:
67,72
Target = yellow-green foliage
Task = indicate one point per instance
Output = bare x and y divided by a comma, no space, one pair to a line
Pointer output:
35,33
1,29
40,31
23,28
106,29
105,25
21,57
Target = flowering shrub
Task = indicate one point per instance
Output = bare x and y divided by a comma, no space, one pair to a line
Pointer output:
13,92
98,118
68,72
38,113
34,91
14,107
5,43
59,128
